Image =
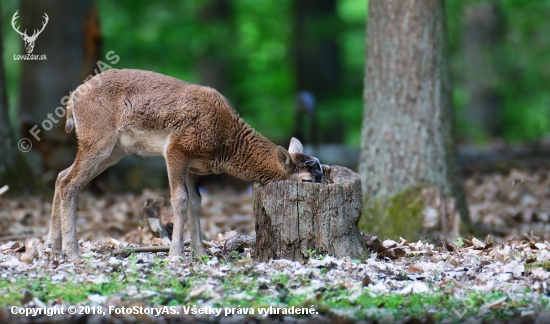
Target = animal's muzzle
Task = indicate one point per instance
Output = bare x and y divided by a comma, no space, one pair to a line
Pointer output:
318,175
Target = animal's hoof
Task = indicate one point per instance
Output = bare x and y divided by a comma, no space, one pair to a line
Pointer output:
199,250
174,254
54,245
71,256
176,250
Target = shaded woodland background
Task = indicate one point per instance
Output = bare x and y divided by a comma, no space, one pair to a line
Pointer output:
290,68
301,68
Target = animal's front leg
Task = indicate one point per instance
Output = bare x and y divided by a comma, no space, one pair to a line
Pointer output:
177,172
194,210
180,200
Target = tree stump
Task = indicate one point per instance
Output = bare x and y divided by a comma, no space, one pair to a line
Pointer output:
293,218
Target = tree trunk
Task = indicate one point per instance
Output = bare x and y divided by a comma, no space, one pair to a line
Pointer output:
93,44
8,151
293,218
408,142
212,63
482,31
13,169
316,46
316,64
45,83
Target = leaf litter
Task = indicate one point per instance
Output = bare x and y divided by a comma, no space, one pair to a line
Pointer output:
508,265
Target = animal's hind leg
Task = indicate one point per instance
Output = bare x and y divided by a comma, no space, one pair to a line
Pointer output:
193,212
54,236
116,155
88,164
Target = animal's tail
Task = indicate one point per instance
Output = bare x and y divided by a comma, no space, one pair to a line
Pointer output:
69,125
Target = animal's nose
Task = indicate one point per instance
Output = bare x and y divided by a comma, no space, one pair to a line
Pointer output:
318,175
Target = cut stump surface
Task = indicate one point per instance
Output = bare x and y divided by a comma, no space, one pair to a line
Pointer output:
295,218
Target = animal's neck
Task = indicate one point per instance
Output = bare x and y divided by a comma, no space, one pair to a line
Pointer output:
254,157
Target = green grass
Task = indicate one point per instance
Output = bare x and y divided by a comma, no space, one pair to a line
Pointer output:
280,278
530,266
45,290
282,291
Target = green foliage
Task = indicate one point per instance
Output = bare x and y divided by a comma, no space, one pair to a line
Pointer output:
520,58
254,40
256,43
264,83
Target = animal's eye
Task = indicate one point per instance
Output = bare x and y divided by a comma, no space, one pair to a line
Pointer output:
309,162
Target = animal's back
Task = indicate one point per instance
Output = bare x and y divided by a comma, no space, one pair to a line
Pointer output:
144,107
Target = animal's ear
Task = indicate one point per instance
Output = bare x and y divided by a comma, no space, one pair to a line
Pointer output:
285,160
295,146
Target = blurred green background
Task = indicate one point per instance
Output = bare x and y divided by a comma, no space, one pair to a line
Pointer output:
249,49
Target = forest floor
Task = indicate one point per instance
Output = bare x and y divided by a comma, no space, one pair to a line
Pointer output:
503,278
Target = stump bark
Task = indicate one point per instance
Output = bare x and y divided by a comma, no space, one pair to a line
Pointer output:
294,217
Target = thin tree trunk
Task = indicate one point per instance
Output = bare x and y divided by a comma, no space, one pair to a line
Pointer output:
8,148
481,33
212,65
316,62
45,83
93,43
408,131
13,169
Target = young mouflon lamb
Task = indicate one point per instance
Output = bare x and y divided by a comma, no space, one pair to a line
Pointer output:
194,128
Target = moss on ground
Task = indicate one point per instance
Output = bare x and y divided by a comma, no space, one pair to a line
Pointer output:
394,216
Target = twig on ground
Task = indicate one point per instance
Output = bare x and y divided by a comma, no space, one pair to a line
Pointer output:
138,249
18,236
154,249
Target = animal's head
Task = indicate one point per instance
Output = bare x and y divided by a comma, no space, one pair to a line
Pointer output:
300,166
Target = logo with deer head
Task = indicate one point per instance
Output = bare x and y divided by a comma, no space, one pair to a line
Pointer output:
29,40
